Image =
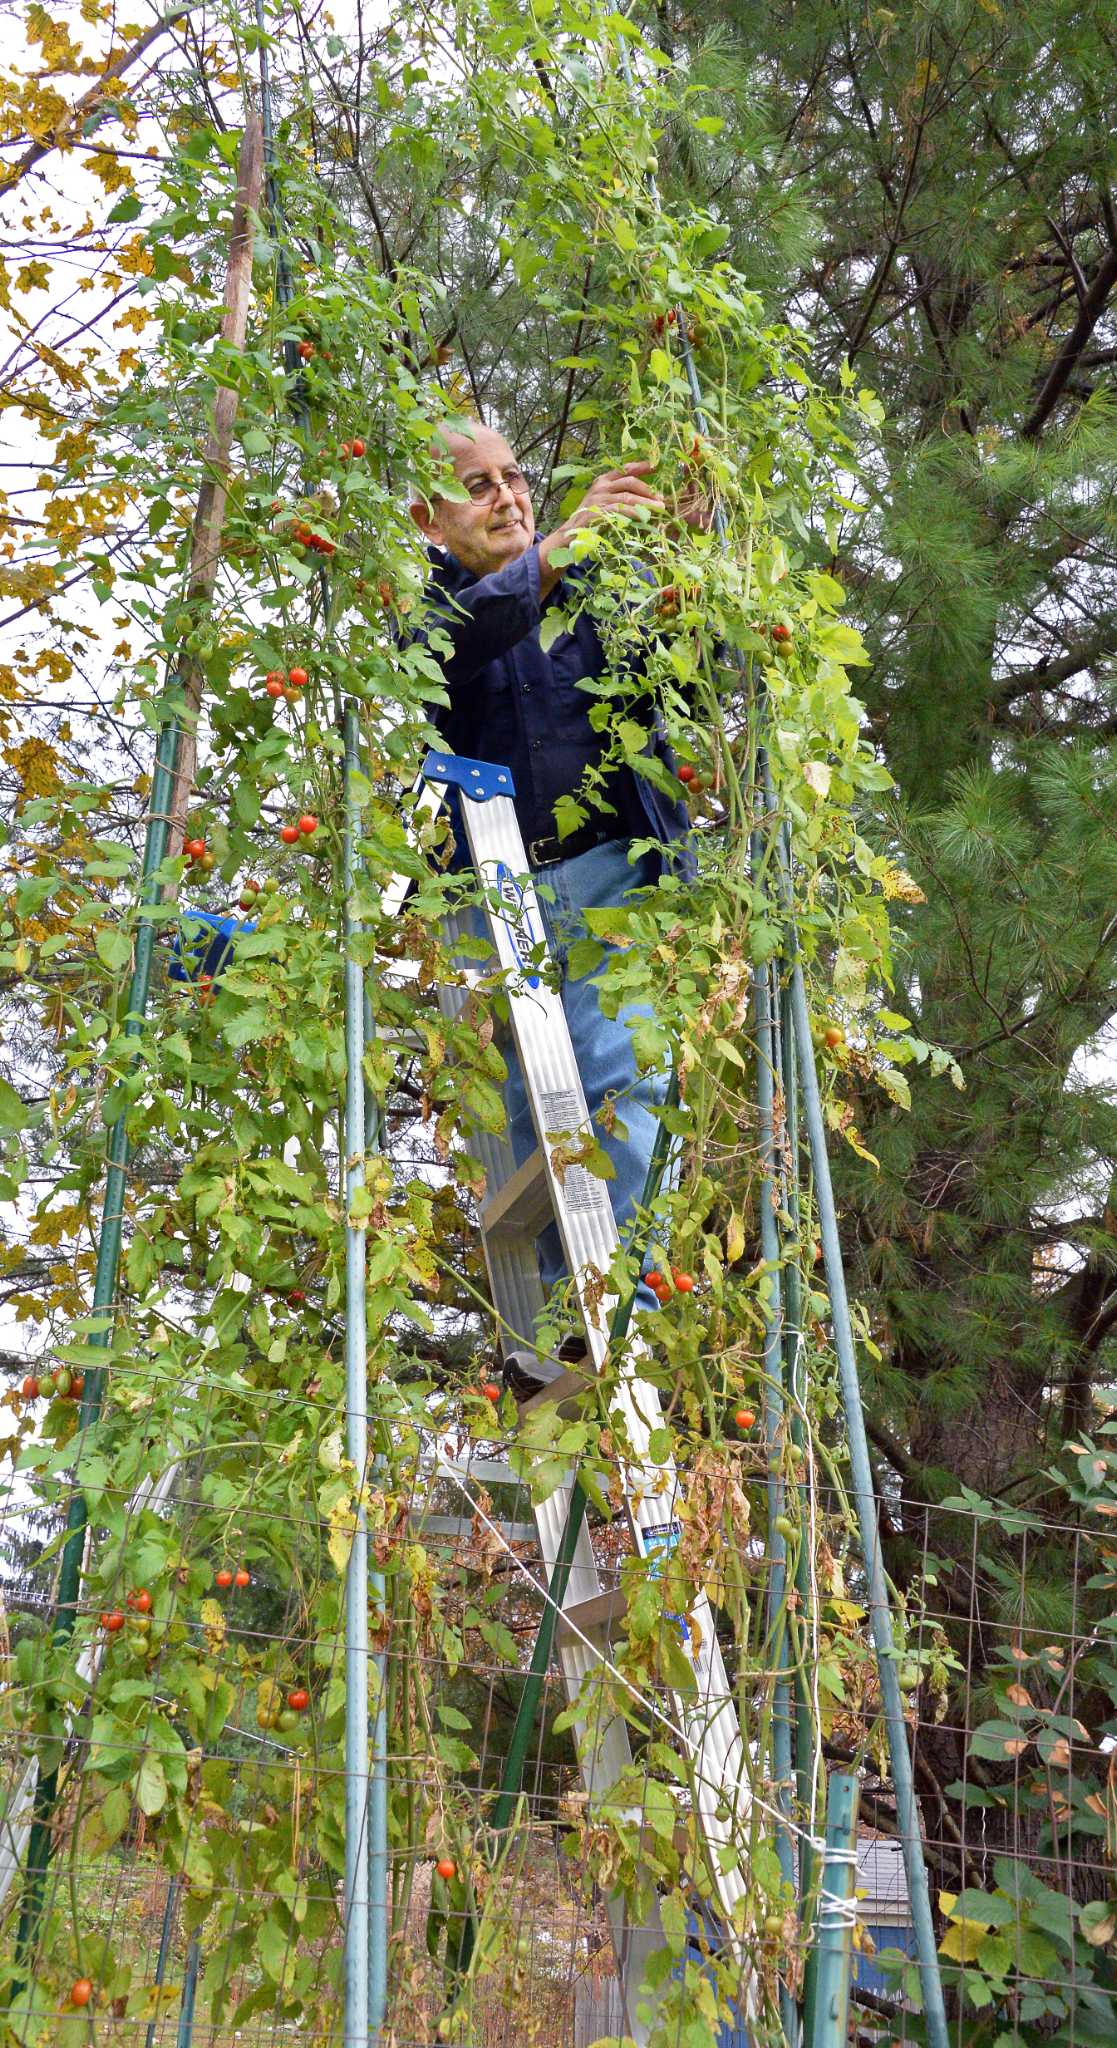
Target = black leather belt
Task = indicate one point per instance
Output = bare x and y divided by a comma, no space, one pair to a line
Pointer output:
545,853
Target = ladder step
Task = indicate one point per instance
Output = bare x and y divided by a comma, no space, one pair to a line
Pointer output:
523,1205
460,1526
565,1393
596,1612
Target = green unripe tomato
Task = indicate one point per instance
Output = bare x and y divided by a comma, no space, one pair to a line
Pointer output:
909,1677
785,1527
287,1720
773,1924
271,884
63,1381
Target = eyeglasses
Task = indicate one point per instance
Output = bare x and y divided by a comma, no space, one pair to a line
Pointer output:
484,489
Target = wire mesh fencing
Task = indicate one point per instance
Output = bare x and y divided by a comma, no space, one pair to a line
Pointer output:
193,1888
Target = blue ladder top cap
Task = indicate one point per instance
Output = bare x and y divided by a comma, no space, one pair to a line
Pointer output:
477,779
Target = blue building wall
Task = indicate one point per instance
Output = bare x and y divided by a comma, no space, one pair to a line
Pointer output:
866,1971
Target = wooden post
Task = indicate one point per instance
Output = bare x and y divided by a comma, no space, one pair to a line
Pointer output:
209,515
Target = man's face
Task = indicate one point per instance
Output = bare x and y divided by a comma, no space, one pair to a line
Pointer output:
497,523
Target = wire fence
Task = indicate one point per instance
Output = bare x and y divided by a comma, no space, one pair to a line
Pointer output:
1008,1676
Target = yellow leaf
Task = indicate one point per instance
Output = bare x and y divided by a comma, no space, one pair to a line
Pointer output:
963,1940
213,1623
734,1238
269,1703
343,1524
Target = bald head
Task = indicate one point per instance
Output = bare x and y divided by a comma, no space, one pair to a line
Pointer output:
496,523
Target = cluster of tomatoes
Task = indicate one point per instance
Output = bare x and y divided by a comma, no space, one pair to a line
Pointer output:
69,1386
663,1288
226,1577
694,783
287,685
138,1601
198,854
306,827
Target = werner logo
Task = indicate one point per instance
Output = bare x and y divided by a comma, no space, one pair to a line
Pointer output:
516,920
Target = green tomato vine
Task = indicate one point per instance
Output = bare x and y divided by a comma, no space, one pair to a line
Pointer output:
217,1713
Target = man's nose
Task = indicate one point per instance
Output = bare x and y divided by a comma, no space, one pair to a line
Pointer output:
502,490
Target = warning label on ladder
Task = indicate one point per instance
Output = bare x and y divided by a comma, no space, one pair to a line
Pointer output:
562,1116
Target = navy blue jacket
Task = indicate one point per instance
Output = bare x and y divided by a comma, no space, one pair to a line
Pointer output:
514,704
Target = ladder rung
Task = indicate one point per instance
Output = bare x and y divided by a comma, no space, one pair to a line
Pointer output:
566,1392
460,1526
596,1612
523,1204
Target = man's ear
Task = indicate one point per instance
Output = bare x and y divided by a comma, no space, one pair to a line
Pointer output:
425,520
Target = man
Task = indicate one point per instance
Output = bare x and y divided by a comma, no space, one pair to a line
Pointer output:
512,703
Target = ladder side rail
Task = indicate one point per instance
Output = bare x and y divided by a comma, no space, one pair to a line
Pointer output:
589,1235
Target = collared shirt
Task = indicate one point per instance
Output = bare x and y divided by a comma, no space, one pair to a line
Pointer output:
513,703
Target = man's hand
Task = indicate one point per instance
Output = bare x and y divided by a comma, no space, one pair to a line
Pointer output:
619,490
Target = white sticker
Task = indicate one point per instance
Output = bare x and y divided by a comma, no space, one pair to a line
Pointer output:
581,1191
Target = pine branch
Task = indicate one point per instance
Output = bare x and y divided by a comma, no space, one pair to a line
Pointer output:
1047,673
1090,311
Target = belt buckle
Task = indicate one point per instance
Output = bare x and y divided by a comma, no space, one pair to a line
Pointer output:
539,860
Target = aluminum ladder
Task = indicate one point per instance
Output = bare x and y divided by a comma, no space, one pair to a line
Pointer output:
518,1202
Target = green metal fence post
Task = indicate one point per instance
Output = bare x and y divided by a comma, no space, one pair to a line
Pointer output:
356,1426
880,1613
795,1378
765,1029
378,1794
104,1300
831,1958
185,2034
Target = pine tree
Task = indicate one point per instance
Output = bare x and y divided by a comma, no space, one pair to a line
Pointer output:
936,200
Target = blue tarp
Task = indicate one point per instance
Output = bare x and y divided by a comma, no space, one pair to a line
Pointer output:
204,944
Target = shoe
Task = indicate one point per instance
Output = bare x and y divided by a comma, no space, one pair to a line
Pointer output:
524,1371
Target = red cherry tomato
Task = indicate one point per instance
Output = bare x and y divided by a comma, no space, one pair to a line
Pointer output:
306,350
683,1281
490,1390
223,1578
274,686
113,1622
141,1601
308,823
685,772
781,633
289,834
446,1868
658,1284
358,447
81,1991
298,678
77,1386
298,1700
744,1418
295,1297
834,1035
241,1577
194,848
30,1388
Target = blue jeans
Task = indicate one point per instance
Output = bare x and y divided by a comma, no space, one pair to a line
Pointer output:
602,1045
